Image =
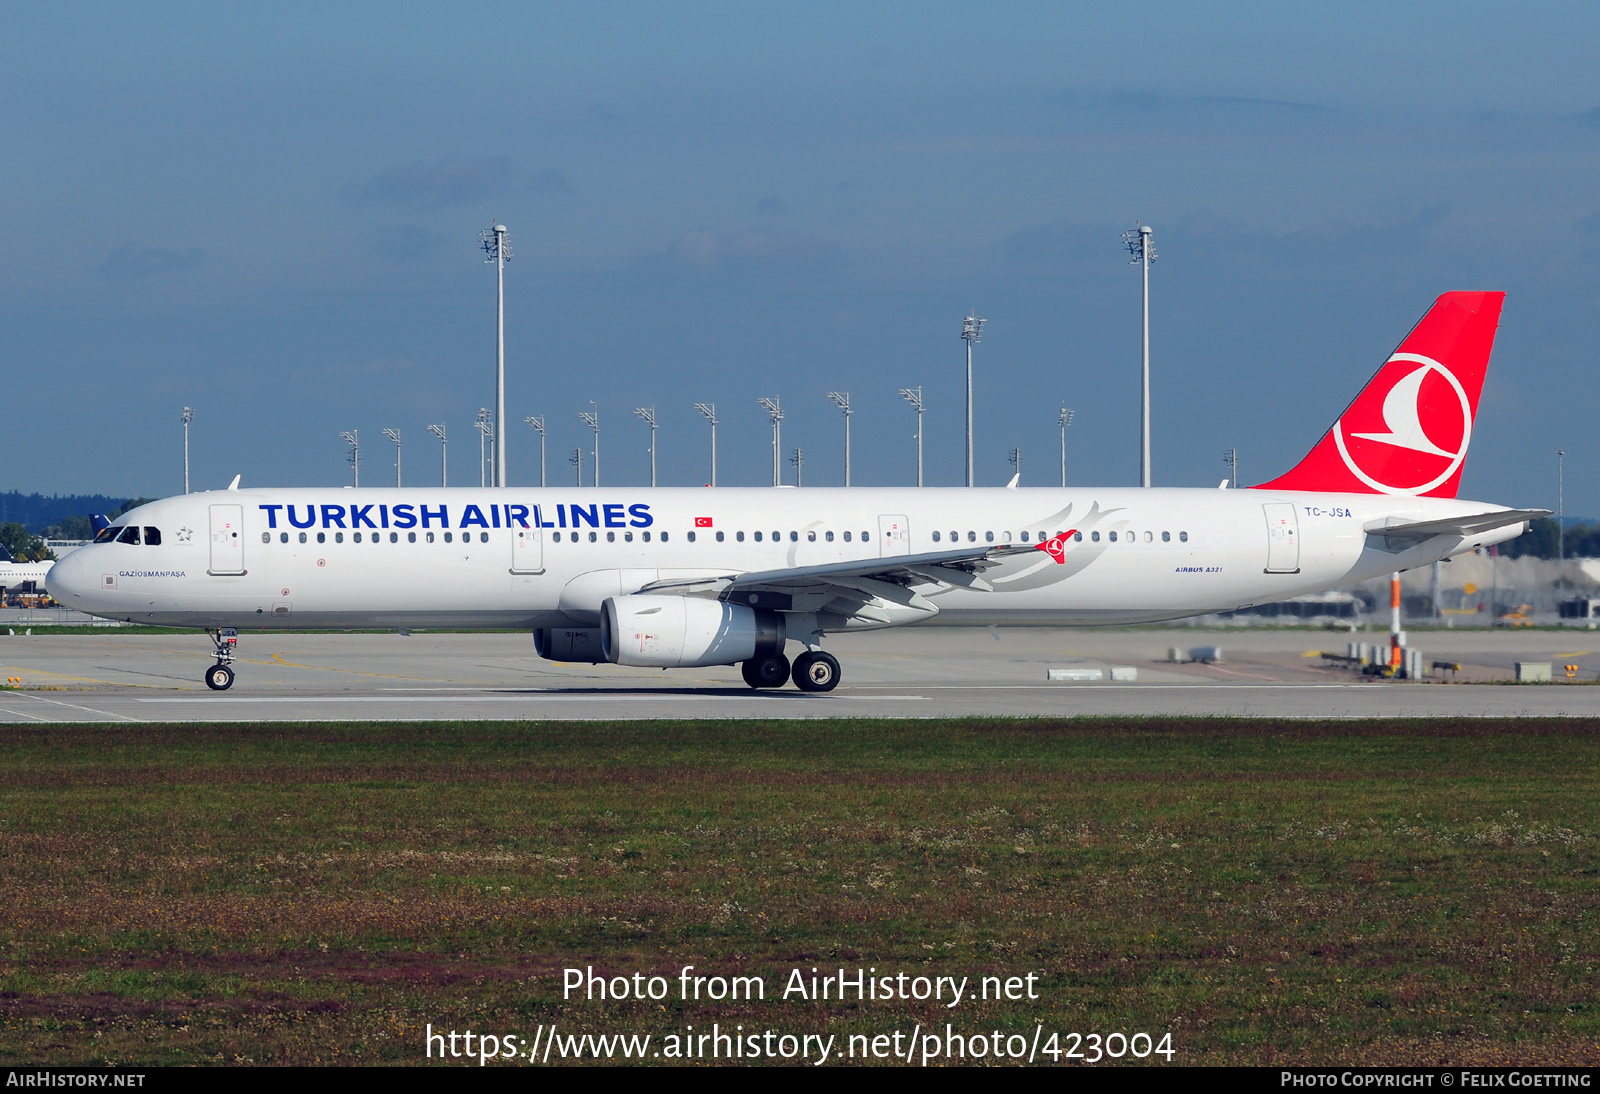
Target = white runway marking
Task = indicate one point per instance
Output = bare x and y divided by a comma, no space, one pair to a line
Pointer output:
538,697
74,706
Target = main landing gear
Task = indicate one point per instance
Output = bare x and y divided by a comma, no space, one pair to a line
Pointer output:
813,671
219,677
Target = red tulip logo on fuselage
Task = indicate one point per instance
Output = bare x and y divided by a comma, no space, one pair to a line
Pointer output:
1412,437
1056,546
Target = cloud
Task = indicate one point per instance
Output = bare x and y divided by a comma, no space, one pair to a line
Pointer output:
132,263
707,250
405,243
448,180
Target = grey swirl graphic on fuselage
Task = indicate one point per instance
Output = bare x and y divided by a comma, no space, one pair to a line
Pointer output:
1047,571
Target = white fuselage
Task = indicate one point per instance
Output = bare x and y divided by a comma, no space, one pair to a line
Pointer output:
14,575
462,558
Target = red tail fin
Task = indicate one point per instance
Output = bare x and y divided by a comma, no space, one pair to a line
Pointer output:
1408,430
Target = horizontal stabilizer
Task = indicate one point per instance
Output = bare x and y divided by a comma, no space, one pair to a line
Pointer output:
1469,525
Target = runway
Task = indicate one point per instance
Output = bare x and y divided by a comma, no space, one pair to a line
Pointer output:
912,673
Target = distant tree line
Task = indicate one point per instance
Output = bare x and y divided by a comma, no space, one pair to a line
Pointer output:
1542,540
39,513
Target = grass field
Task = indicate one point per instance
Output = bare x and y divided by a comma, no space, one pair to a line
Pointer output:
1420,892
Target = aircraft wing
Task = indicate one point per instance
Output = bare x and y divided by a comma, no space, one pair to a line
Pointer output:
876,589
1468,525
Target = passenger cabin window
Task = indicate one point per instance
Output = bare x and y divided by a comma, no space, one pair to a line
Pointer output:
740,536
1166,537
1024,537
1095,536
1112,536
1077,537
828,536
972,537
592,537
988,537
758,537
483,537
719,537
664,537
611,537
936,537
1148,537
338,537
847,537
777,536
794,537
1183,537
356,537
690,534
130,534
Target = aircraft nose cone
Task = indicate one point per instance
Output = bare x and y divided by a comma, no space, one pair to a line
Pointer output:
64,581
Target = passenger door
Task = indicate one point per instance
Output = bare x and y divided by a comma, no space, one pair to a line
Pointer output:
1283,538
227,539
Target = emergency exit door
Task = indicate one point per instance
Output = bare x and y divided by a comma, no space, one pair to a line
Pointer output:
527,551
894,535
1283,538
227,539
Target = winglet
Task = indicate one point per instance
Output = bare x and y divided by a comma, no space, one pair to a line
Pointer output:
234,485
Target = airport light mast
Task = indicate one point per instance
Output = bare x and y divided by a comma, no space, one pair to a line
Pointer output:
537,422
394,435
352,437
444,454
1561,507
776,413
576,460
188,416
1064,420
1141,244
592,420
971,332
842,400
913,395
485,430
798,458
1015,459
710,411
494,245
648,413
1230,460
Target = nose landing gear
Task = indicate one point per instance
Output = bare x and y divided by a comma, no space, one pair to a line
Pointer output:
219,677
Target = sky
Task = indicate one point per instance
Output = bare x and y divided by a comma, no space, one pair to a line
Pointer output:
271,213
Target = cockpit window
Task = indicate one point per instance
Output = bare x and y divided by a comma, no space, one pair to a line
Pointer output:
108,534
152,536
130,534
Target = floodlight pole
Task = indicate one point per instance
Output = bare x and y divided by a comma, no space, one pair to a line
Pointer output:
775,411
188,416
1015,459
1064,419
1561,508
1230,460
576,460
842,399
485,432
394,435
710,412
913,395
494,245
537,422
1141,244
353,438
971,331
648,413
592,420
444,454
798,458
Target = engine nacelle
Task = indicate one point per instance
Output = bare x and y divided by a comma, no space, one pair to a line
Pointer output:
569,644
686,632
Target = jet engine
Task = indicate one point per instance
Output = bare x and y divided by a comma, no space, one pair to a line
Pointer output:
569,644
686,632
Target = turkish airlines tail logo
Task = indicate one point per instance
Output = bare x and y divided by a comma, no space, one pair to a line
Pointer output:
1056,546
1407,432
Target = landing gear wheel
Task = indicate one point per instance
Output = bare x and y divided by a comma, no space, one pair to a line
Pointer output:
765,672
816,671
219,678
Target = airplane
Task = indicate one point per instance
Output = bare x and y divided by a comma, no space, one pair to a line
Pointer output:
14,574
674,577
